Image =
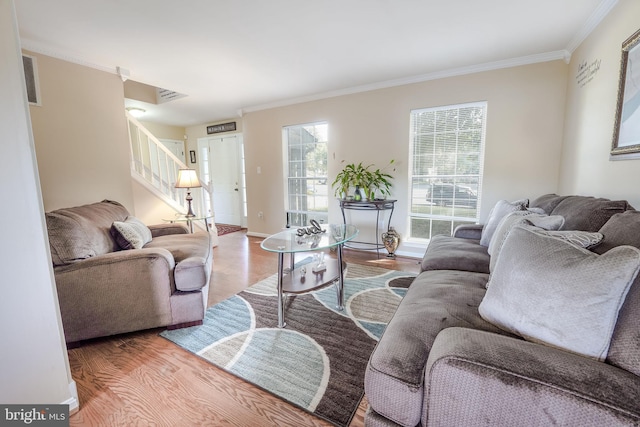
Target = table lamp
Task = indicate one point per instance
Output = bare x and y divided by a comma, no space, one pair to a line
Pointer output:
188,179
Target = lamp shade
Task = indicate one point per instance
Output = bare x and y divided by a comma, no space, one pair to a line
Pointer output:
187,178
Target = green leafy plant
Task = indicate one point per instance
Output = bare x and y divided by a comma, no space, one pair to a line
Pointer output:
379,181
362,177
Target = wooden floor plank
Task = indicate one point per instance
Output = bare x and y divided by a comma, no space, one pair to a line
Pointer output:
143,379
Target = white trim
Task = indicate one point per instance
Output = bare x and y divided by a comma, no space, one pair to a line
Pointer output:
73,401
594,20
44,50
411,250
254,234
436,75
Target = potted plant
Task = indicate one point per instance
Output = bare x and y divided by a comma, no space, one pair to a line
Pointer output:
363,179
379,182
352,175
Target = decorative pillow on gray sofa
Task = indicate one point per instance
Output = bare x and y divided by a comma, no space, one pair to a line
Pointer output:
499,211
512,219
550,291
131,233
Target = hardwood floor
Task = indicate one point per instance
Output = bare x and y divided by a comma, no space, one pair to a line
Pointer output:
143,379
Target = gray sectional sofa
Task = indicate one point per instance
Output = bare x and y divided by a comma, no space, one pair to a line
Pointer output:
446,359
114,275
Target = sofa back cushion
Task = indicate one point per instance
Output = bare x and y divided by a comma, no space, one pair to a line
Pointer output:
588,213
84,231
621,229
548,202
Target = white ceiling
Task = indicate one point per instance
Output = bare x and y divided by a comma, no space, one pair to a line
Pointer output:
236,56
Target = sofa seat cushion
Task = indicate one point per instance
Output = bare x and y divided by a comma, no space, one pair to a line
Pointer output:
435,300
454,253
192,255
84,231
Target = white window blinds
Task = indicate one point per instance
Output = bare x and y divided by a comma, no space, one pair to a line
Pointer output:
447,146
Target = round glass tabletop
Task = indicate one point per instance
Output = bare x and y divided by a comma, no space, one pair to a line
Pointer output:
288,241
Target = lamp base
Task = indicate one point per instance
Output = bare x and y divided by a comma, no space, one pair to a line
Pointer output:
190,213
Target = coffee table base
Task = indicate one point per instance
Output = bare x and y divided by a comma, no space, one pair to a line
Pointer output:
302,280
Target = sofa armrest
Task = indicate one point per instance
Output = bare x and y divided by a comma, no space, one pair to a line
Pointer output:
468,231
166,229
474,375
116,292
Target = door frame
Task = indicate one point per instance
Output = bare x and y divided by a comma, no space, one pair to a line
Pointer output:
241,179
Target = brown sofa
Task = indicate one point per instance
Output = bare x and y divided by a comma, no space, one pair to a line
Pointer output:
105,290
440,363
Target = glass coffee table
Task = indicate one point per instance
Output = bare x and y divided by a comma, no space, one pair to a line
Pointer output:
309,277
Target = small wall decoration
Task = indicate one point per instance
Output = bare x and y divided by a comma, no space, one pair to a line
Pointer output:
626,132
587,71
192,156
223,127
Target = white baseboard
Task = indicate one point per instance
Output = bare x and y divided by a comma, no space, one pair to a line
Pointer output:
411,249
73,401
254,234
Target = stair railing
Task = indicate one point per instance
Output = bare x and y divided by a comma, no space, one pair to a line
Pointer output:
156,167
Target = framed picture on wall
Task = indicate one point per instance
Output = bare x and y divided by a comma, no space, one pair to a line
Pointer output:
192,156
626,132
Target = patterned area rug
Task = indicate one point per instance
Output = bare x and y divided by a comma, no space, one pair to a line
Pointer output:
226,229
318,361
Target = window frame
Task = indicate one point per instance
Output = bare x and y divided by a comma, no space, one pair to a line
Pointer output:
294,215
455,220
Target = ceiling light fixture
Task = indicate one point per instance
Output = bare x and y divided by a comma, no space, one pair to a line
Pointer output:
136,112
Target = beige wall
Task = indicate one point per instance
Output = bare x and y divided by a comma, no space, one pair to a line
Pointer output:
35,367
590,114
162,131
523,140
81,137
200,131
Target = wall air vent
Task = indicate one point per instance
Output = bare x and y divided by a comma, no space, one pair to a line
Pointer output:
31,79
165,95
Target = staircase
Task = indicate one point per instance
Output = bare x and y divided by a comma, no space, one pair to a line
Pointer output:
156,168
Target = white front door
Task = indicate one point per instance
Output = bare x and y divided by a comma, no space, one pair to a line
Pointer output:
220,164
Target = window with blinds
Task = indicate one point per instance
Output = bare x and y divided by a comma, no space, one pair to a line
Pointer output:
447,146
306,174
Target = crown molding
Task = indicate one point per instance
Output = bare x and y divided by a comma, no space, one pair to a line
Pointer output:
471,69
594,20
43,50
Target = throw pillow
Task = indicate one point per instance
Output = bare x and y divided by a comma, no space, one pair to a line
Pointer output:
131,233
583,239
550,291
507,223
499,211
621,229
